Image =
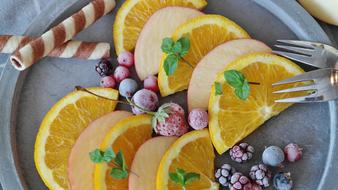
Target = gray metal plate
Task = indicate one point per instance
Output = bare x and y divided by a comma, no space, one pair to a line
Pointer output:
27,96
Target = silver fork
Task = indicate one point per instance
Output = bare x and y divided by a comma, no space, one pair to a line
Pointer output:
324,86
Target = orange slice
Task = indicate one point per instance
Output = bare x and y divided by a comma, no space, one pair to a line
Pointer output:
232,119
205,33
127,135
193,152
60,128
133,14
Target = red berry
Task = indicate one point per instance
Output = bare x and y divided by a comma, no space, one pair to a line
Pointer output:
108,82
121,73
150,83
198,119
174,123
126,59
293,152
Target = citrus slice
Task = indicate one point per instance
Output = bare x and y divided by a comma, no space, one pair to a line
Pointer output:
133,14
193,152
232,119
205,33
126,136
60,128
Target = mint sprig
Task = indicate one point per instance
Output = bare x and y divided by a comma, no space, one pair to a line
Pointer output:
182,178
176,51
238,82
120,171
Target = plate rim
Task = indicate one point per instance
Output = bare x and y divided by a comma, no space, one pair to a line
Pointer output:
289,12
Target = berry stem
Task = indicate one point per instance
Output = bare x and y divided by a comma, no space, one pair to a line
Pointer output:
254,83
129,102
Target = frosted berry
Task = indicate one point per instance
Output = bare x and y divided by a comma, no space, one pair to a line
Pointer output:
104,67
223,174
169,120
198,119
145,99
126,59
108,82
293,152
121,73
127,87
273,156
239,182
254,186
242,152
150,83
261,175
282,181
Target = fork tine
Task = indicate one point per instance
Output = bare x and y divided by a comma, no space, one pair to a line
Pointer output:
305,51
296,89
301,99
297,57
299,78
298,43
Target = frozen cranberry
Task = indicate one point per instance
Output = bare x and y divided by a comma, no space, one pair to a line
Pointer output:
293,152
108,82
126,59
121,73
150,83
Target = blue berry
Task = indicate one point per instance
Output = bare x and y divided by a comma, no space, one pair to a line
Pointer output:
282,181
127,87
273,156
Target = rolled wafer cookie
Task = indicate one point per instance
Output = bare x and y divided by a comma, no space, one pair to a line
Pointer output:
70,49
66,30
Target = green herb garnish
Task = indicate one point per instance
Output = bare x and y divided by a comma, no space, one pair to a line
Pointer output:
238,82
120,171
182,178
176,51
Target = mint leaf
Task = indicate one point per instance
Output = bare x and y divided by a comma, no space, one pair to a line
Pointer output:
176,179
170,64
119,173
167,45
109,155
177,47
218,88
243,92
190,177
234,78
119,160
96,156
237,81
185,41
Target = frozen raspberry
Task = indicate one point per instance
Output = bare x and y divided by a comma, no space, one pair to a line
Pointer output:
121,73
104,67
145,99
293,152
242,152
126,59
198,119
150,83
108,82
261,175
223,174
282,181
127,87
169,120
273,156
239,182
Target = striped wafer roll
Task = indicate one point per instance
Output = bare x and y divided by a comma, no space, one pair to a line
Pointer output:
66,30
70,49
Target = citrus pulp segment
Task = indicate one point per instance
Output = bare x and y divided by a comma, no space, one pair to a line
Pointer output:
232,119
133,14
205,33
60,128
126,136
192,152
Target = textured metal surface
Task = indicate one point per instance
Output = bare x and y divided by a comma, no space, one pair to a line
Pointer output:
29,95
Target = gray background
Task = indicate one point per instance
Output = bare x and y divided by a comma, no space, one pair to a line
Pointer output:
16,16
